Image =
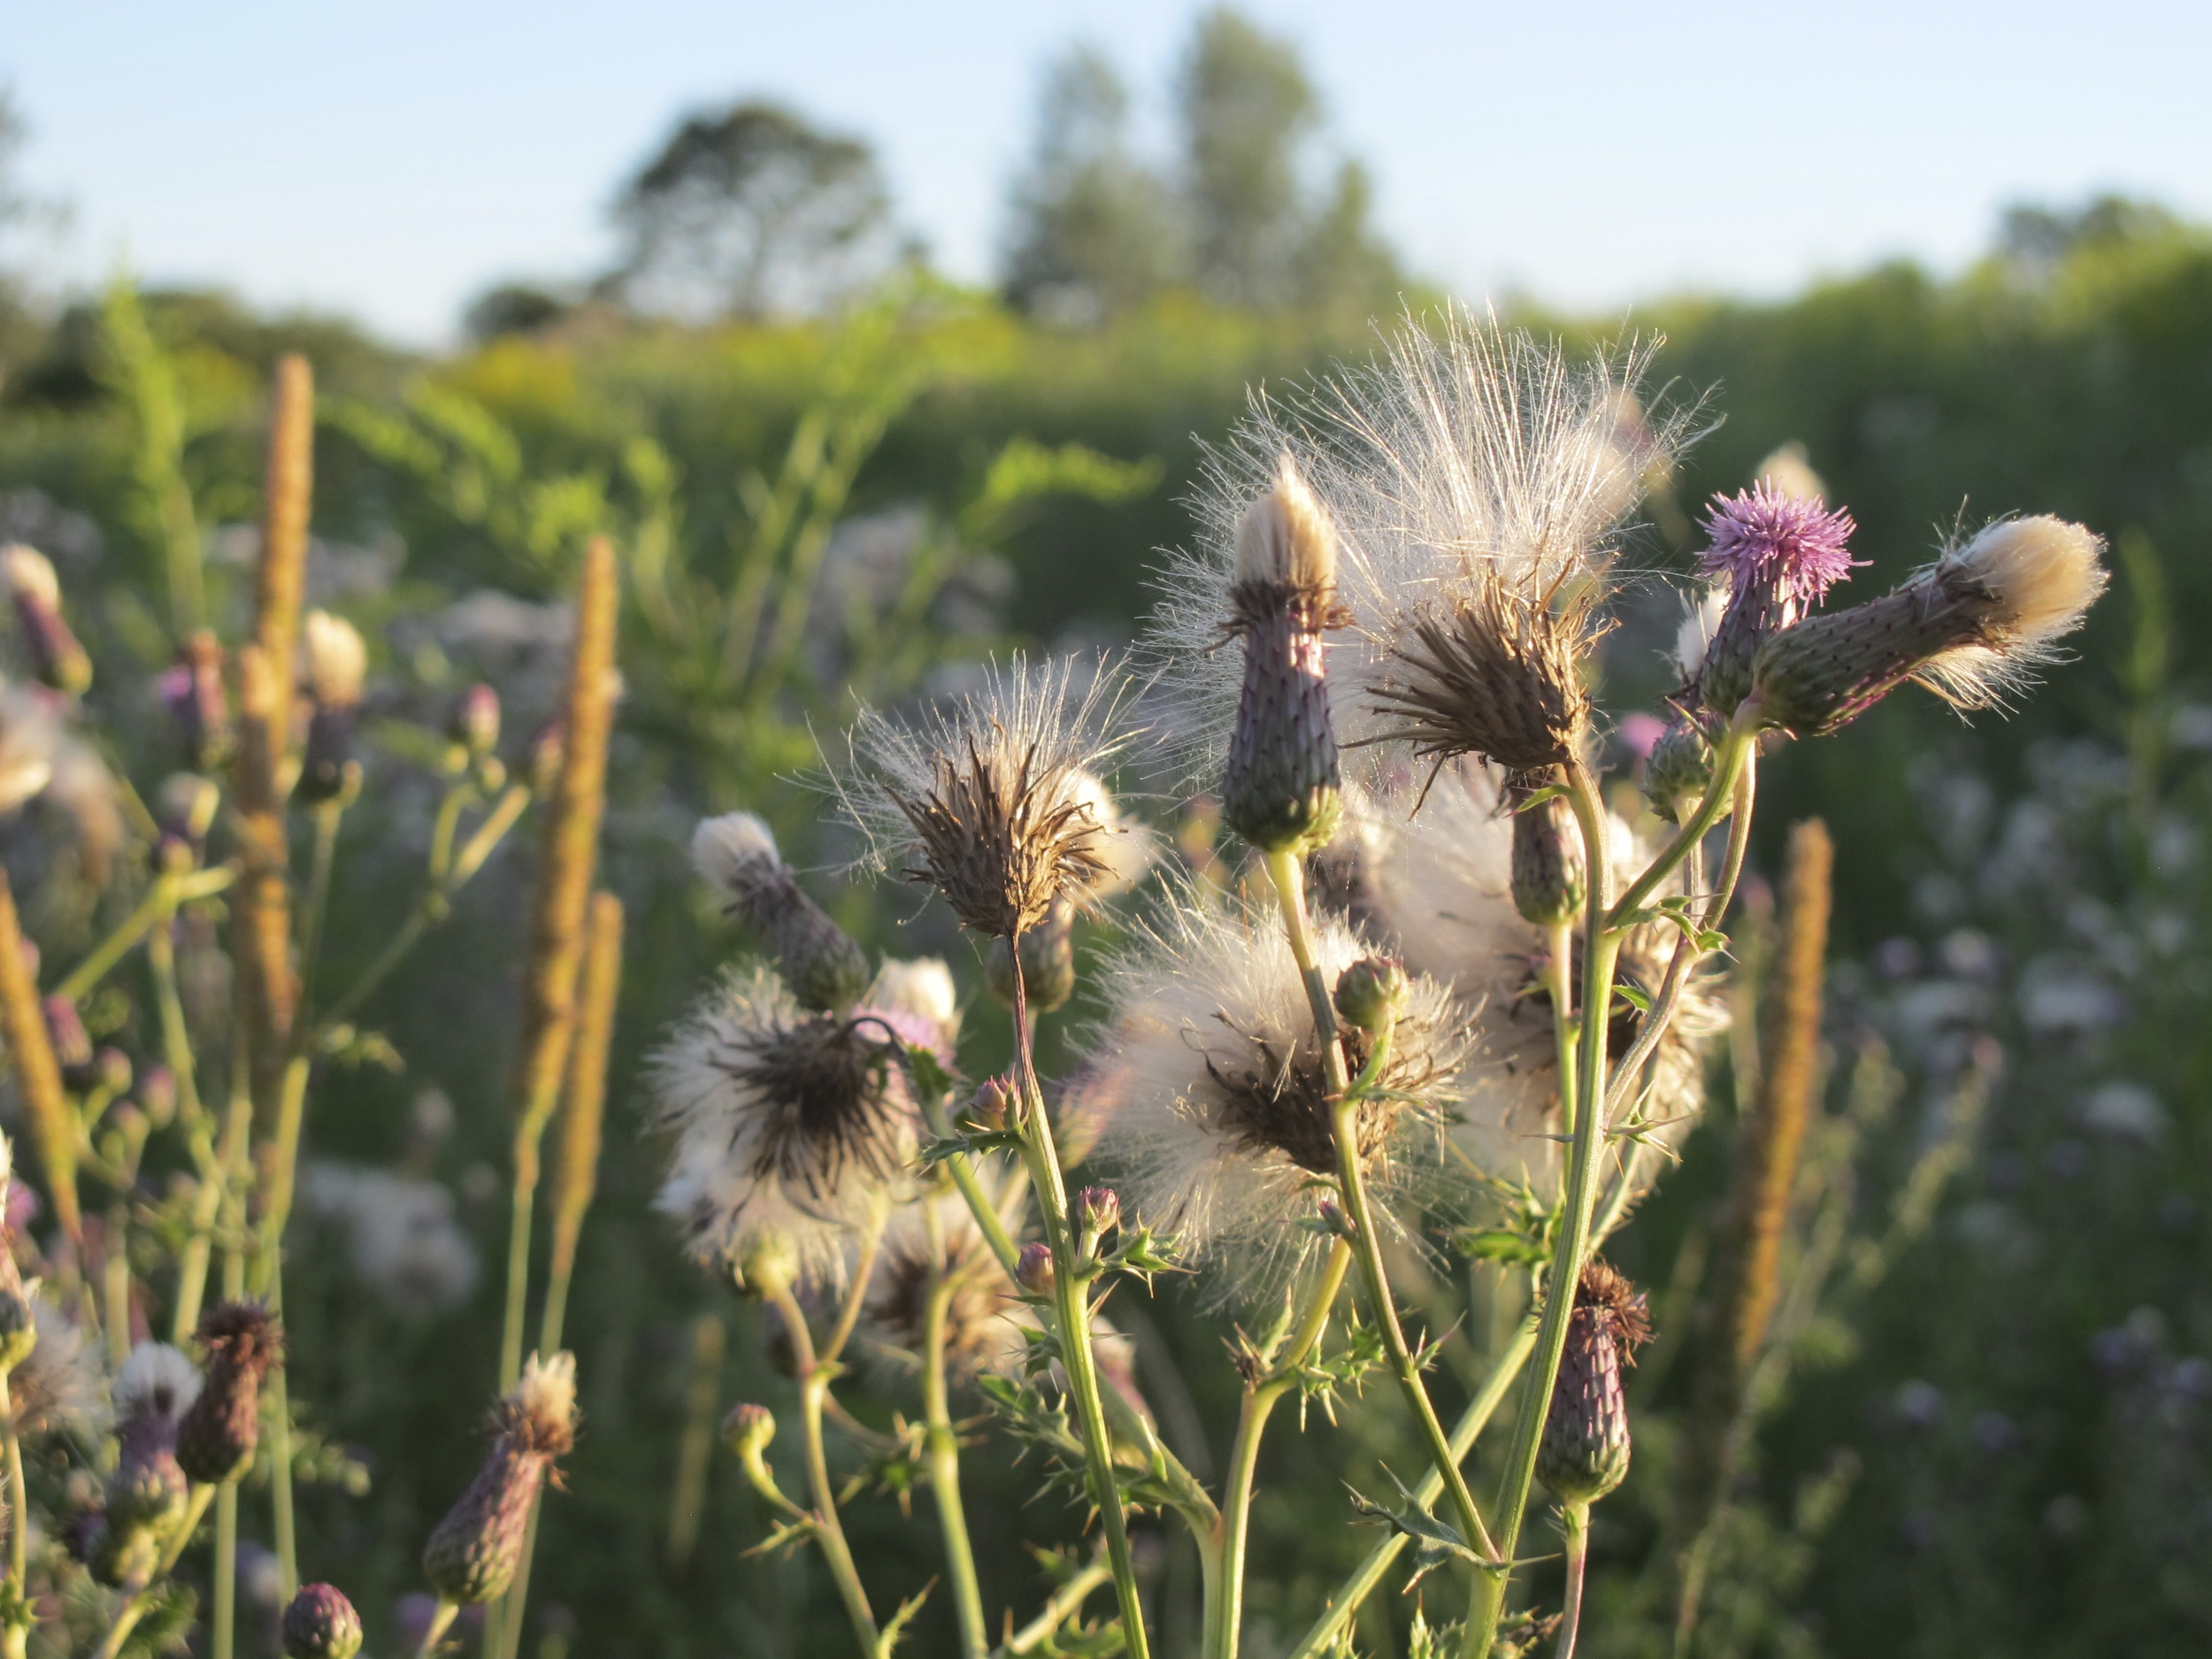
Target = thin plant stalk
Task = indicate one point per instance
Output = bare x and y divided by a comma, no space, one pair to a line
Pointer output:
814,1380
694,1452
141,1599
440,1620
1064,1603
943,1444
1575,1527
16,1635
1072,1300
1607,922
223,1624
1261,1396
1284,870
37,1074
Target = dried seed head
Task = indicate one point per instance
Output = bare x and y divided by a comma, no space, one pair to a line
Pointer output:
1285,540
217,1438
986,800
1048,960
737,855
1973,627
1779,553
474,1551
1585,1450
1551,873
321,1624
1372,992
1679,771
56,658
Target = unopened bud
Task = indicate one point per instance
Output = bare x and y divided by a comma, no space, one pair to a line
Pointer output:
1032,1270
547,751
112,1069
56,658
193,690
321,1624
157,1093
1098,1209
73,1047
474,723
1334,1220
185,808
992,1106
1679,771
771,1263
1048,958
1372,994
747,1430
1550,874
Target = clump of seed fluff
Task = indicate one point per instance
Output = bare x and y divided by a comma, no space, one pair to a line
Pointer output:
474,1553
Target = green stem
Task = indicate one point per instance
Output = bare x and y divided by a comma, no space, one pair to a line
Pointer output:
439,1621
222,1640
1225,1619
19,1494
1070,1293
814,1380
141,1599
1065,1603
1575,1523
944,1447
1606,923
161,900
1284,870
316,907
1559,981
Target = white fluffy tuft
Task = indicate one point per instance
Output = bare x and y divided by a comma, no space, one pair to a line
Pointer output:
724,848
30,575
155,1379
337,660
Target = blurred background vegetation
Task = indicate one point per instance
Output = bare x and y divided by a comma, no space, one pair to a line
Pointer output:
835,475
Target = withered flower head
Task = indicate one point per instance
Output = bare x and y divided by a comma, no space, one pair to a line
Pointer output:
736,854
987,799
1209,1082
790,1126
473,1552
146,1494
1585,1450
936,1239
217,1438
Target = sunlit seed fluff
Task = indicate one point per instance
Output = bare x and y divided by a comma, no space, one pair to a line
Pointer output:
792,1128
29,574
60,1387
1286,539
473,1554
1126,846
29,735
1208,1079
981,797
736,854
336,660
1584,1451
1974,627
922,988
985,1327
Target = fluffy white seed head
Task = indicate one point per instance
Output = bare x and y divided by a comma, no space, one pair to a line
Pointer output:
1285,538
336,658
923,989
545,1396
62,1383
2041,575
29,574
7,1165
724,848
1126,846
1701,613
155,1380
29,736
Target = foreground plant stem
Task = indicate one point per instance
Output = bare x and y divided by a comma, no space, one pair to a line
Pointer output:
1606,923
1575,1524
1072,1298
1261,1395
136,1605
815,1374
944,1445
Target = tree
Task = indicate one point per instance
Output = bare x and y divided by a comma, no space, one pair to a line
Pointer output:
1247,110
1093,230
1342,261
752,211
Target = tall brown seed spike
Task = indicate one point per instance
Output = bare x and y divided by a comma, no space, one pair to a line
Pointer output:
576,1166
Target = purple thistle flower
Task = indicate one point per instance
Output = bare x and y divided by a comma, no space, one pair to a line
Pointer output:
1779,554
1791,542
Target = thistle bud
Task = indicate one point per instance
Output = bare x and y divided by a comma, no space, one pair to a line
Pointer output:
1972,626
1282,788
1033,1271
56,658
217,1438
157,1093
748,1429
1585,1450
992,1106
336,663
72,1047
1679,771
474,723
1047,956
1372,994
148,1492
737,855
1550,875
1098,1210
1334,1220
321,1624
770,1263
1779,554
474,1553
191,688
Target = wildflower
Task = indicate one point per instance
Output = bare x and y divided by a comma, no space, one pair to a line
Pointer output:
146,1494
192,689
57,659
337,661
1585,1450
217,1437
737,855
473,1552
790,1126
1777,554
473,726
1973,627
1210,1086
1549,875
988,801
321,1624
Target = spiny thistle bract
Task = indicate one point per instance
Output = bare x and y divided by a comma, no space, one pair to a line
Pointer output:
321,1624
1208,1080
991,799
736,855
792,1127
473,1552
1585,1450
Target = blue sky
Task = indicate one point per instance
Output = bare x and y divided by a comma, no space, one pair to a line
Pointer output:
389,160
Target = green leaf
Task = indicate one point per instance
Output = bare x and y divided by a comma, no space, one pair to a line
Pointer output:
1499,1244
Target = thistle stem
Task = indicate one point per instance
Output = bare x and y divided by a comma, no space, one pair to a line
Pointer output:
1607,922
1065,1603
222,1636
829,1533
1071,1291
1575,1522
944,1446
439,1622
1261,1396
1283,869
135,1608
19,1493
